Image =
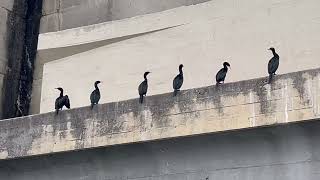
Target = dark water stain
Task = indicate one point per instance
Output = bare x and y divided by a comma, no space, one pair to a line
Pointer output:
22,38
159,109
299,82
15,46
262,92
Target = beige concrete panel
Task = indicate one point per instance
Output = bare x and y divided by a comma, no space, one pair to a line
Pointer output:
82,13
50,7
3,33
123,9
3,66
1,90
47,55
7,4
111,30
14,5
99,11
51,21
69,4
38,67
3,51
35,97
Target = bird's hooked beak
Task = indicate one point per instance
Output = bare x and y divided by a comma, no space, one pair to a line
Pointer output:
228,65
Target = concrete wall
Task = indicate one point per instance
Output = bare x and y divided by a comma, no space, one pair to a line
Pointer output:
200,36
64,14
247,104
12,33
4,6
289,152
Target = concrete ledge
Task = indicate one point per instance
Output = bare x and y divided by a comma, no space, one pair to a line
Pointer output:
246,104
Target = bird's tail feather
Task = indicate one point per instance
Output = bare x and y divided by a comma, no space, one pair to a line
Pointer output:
175,92
141,99
57,111
92,105
270,78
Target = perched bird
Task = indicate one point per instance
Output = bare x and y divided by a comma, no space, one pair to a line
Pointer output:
178,81
273,64
221,75
95,95
61,101
143,87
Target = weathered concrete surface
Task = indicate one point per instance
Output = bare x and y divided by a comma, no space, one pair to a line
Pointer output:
12,33
246,104
3,49
65,14
7,4
289,152
201,37
32,18
19,34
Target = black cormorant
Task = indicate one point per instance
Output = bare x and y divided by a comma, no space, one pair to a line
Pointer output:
273,64
61,101
95,95
143,87
221,75
178,81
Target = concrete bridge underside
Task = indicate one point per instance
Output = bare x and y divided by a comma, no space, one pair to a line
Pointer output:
284,152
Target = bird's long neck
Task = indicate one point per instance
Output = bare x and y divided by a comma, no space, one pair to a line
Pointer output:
145,78
180,71
61,93
274,53
225,67
96,86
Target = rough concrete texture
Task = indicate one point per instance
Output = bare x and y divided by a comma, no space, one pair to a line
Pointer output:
32,18
6,4
200,36
18,45
3,48
289,152
15,6
246,104
11,54
65,14
3,34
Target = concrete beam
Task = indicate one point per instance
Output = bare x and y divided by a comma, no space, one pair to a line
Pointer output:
247,104
284,152
50,7
94,12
